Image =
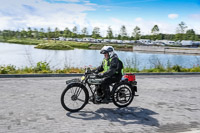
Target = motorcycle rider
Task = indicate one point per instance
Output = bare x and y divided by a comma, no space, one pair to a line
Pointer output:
112,69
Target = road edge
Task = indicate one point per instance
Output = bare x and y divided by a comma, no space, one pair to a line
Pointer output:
80,74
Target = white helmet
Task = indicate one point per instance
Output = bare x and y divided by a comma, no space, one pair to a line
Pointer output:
107,49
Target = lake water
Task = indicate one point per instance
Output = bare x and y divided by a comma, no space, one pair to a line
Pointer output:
27,55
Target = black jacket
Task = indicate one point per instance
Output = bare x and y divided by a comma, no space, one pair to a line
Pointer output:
113,70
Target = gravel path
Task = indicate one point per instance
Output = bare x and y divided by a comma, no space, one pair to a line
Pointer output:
166,104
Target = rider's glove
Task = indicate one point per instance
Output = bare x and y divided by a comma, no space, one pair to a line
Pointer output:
94,71
100,75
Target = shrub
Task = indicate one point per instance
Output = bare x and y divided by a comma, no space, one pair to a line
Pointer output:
195,69
27,70
7,69
42,66
185,69
177,68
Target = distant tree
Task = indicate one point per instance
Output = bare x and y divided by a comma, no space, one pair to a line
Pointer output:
67,32
41,33
181,28
5,34
109,33
123,32
160,36
49,33
29,33
119,37
23,33
155,30
96,32
35,33
56,33
179,36
84,31
190,31
197,38
190,34
74,32
136,33
18,35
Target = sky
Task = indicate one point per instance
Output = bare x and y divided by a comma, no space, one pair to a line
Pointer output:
167,14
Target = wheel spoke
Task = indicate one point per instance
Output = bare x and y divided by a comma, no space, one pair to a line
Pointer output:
72,90
79,92
128,95
80,100
76,90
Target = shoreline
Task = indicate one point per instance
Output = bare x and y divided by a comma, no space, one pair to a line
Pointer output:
163,49
66,45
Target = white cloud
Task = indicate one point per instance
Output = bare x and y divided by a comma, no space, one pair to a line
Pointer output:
138,19
118,21
64,0
195,17
173,16
40,14
89,4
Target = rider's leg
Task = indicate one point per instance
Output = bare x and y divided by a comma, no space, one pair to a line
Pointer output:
106,89
106,83
99,91
99,94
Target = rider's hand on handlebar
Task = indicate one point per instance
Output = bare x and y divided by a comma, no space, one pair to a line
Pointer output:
94,71
100,75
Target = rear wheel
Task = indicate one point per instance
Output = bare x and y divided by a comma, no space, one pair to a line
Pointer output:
122,95
74,97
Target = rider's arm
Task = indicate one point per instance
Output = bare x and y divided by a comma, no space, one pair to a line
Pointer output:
113,68
99,68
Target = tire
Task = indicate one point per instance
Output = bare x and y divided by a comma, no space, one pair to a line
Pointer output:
123,95
74,94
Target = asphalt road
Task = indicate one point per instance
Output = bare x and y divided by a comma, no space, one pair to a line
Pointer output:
167,104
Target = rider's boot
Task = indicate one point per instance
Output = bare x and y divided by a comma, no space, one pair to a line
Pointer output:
106,96
99,95
98,98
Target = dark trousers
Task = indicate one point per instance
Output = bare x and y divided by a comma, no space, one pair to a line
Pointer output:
105,85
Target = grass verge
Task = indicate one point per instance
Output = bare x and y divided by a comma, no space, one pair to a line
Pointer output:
43,67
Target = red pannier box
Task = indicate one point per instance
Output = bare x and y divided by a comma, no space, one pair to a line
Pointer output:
129,76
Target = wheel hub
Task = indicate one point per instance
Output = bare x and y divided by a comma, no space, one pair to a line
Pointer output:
74,97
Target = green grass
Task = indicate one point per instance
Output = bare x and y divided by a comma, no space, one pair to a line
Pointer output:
115,46
54,46
2,39
62,45
43,67
26,41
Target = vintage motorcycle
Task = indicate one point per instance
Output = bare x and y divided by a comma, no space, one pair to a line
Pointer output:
76,95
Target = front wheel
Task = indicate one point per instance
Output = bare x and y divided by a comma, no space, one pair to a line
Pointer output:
123,95
74,97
